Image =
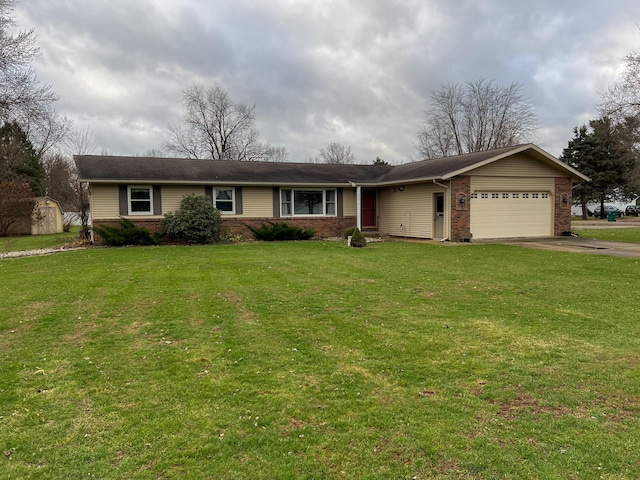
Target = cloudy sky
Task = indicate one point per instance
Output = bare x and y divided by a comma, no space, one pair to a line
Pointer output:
358,72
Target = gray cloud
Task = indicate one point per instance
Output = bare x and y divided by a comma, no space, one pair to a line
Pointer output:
359,72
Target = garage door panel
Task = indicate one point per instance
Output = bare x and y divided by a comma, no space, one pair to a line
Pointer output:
522,214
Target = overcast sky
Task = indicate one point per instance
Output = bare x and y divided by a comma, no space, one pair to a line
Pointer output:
358,72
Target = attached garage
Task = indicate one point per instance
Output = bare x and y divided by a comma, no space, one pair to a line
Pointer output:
511,214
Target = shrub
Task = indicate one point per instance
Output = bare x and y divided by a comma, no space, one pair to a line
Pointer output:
349,232
276,231
357,239
126,234
195,221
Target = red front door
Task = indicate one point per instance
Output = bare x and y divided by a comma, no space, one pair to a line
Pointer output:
368,208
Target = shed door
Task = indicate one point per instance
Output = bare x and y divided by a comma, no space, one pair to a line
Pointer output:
511,214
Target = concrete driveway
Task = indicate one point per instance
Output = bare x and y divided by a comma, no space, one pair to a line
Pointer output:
582,245
574,244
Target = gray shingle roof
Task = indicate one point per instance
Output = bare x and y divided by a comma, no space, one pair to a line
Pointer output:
142,169
93,168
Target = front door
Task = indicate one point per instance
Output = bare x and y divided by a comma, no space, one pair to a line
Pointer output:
438,216
368,208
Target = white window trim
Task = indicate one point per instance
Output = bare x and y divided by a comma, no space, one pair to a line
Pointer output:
324,202
233,200
147,187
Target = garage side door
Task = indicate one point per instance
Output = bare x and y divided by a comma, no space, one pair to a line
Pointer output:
497,214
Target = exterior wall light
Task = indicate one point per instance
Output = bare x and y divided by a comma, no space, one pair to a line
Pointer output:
462,200
564,199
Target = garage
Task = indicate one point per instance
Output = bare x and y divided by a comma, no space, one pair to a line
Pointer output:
500,214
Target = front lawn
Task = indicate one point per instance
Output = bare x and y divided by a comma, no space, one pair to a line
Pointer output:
311,360
612,234
35,242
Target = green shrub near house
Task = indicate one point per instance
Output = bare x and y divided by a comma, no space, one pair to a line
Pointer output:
279,231
195,221
357,239
126,234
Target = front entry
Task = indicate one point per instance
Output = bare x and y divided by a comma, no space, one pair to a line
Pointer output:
438,216
369,209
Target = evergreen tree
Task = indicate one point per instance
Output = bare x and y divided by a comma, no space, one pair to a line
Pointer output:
606,153
18,159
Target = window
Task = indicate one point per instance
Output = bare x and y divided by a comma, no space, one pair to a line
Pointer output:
474,195
294,202
495,195
516,195
140,200
484,195
545,195
505,195
224,199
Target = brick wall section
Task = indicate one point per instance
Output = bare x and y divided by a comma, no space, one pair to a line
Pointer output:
460,212
325,227
562,220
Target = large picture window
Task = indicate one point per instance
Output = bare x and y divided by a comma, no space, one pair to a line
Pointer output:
304,202
140,200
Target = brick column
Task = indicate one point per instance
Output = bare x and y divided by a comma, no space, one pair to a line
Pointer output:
460,208
562,200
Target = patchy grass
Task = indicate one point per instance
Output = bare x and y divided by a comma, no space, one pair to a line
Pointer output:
312,360
35,242
612,234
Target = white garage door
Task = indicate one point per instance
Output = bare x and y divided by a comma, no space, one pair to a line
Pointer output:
513,214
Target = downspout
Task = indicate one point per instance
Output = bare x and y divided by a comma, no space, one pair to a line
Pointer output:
446,237
358,205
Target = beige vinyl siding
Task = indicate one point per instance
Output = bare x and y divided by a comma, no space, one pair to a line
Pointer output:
410,212
513,184
104,202
517,166
172,195
349,202
256,202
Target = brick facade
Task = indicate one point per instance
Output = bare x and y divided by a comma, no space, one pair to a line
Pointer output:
562,216
460,211
325,227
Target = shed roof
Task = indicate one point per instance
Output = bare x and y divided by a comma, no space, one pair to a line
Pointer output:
97,168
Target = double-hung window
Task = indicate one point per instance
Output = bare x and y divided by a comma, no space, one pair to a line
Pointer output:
304,202
140,200
224,199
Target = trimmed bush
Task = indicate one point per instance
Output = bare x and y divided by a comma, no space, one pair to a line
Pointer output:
126,234
357,239
349,232
195,221
277,231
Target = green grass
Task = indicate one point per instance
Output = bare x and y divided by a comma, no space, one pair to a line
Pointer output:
310,360
612,234
34,242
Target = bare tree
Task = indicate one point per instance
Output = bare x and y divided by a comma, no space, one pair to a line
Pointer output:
474,117
336,153
80,142
622,100
23,99
59,177
216,127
